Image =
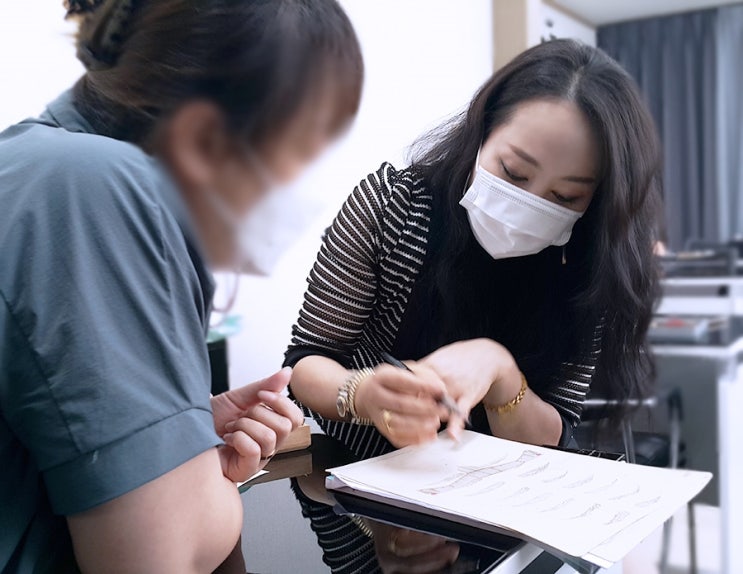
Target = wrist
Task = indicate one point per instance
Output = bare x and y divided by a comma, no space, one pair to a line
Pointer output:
505,386
360,403
348,398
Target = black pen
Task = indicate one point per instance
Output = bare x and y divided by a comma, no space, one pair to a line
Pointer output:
446,401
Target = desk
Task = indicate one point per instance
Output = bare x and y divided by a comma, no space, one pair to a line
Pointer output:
278,539
711,382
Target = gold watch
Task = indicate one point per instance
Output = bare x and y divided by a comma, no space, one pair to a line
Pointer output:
345,404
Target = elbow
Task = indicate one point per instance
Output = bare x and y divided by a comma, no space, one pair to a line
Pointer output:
219,531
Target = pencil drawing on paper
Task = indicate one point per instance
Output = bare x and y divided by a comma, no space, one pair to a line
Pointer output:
469,475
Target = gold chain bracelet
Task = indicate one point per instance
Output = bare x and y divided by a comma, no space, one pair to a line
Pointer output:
513,403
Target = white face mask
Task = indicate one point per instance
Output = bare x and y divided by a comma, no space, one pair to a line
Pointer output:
241,230
252,233
508,221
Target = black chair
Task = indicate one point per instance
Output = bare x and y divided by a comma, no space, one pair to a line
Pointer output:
218,361
642,447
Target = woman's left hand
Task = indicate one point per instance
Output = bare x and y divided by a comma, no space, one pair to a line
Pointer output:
253,421
473,369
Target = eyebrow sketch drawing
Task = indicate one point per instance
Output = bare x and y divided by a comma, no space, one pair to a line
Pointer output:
603,487
580,482
618,517
627,494
535,500
648,503
558,506
519,492
590,510
489,488
535,471
469,475
556,478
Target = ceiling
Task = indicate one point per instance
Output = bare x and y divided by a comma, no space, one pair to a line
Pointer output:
607,11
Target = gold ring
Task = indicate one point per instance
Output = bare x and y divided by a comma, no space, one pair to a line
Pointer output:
386,418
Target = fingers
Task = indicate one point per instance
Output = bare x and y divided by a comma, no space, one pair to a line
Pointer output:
283,406
247,396
409,405
245,432
404,382
456,424
402,430
240,457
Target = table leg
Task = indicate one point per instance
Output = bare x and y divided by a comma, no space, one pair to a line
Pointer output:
730,403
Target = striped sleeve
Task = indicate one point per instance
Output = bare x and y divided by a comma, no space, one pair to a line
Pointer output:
573,382
343,283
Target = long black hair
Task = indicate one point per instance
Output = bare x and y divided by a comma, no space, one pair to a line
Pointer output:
260,61
610,283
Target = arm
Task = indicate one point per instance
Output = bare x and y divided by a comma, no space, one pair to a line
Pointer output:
481,370
532,421
341,297
187,520
342,288
105,382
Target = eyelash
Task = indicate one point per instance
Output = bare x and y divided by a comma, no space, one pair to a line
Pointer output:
563,199
512,176
520,179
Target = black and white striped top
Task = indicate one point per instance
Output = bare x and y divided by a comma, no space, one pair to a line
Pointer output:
360,286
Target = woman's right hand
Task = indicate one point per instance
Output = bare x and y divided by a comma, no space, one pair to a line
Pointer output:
403,405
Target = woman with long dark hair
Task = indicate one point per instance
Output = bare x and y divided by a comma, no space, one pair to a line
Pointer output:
116,204
511,264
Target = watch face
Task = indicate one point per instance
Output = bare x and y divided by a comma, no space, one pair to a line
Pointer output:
340,404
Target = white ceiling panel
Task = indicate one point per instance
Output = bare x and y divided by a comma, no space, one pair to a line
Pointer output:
599,12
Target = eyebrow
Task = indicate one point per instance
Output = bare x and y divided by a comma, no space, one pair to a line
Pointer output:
529,159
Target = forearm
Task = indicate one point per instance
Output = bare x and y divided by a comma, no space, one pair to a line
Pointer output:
533,421
315,383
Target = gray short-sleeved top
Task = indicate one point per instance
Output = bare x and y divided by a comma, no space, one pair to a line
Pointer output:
104,303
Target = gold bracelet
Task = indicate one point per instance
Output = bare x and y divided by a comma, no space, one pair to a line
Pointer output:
513,403
353,385
362,525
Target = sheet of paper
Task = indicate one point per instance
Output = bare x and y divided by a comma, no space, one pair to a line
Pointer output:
570,502
256,475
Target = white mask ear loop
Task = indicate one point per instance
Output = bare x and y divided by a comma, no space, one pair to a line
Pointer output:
229,219
472,175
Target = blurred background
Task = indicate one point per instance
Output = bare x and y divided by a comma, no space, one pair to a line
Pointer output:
686,56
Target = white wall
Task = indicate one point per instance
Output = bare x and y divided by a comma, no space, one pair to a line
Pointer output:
556,24
37,57
424,59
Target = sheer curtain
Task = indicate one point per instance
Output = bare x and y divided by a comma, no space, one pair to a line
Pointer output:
690,69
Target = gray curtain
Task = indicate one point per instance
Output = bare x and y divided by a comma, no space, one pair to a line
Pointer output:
687,66
730,119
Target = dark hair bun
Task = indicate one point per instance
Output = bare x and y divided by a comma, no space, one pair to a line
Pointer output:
104,26
79,7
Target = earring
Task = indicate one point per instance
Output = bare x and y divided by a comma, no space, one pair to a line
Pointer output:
564,255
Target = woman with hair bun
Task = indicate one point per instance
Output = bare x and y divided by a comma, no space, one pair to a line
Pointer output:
117,203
